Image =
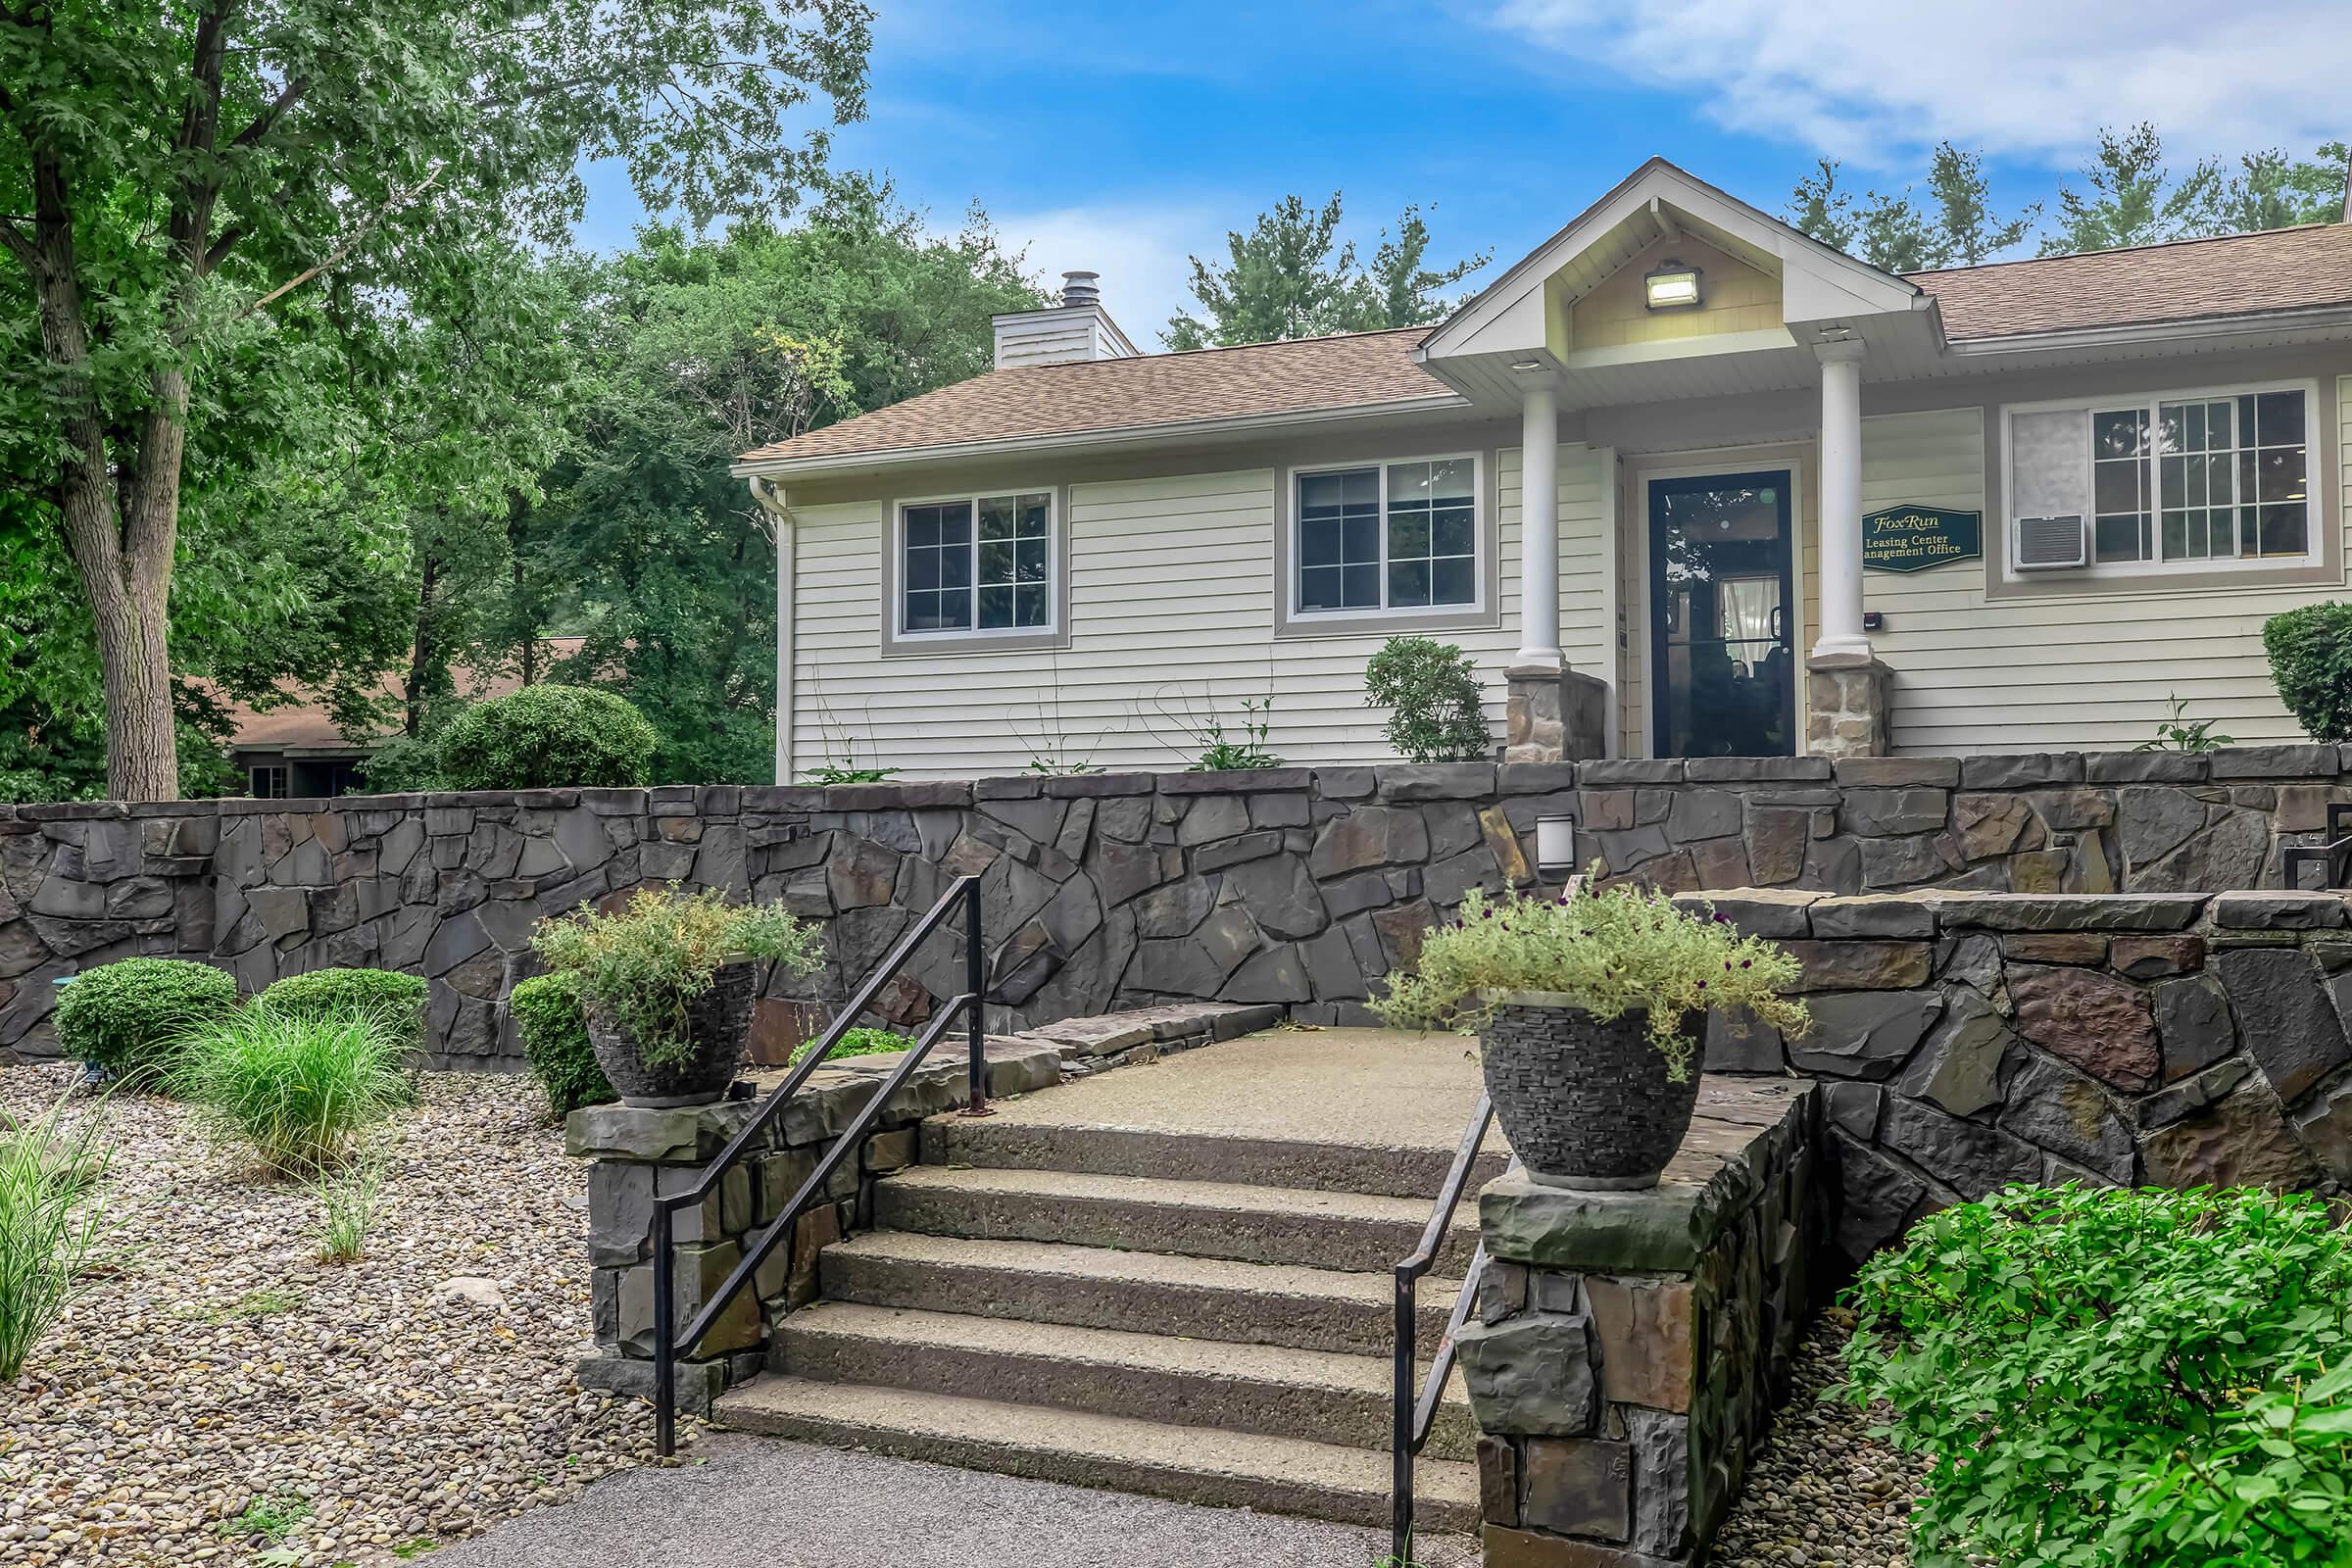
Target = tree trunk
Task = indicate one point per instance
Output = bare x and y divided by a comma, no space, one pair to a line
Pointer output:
420,655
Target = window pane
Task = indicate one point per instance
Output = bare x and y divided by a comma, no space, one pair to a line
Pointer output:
2283,530
1320,542
1454,581
1452,479
1032,557
1361,540
995,518
2115,486
996,559
2278,418
1319,495
1360,487
2176,532
922,527
1408,482
1408,582
923,568
1456,533
1033,514
2118,434
956,523
955,566
996,606
1363,587
2118,538
1408,533
2282,474
1029,604
1320,588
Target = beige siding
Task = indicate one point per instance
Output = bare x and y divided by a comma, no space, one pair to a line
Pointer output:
1734,298
2052,672
1171,586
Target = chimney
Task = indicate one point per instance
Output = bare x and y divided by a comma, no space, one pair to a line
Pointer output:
1078,328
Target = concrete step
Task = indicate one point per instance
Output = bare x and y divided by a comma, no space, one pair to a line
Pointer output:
1347,1231
1143,1293
1267,1390
1369,1166
1229,1469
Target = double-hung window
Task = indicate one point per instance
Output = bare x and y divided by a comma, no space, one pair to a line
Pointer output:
977,564
1386,536
2172,481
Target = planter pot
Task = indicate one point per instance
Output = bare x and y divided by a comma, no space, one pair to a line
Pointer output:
1585,1104
717,1023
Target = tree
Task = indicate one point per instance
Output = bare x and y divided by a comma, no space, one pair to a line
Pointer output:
1964,232
170,173
1893,233
1290,276
1817,207
2131,197
2271,190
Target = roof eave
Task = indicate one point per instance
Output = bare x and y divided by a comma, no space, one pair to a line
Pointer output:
1109,436
2318,317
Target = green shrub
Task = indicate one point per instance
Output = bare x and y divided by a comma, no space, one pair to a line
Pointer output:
555,1042
645,965
349,1200
1610,952
297,1090
130,1017
394,1001
861,1043
547,737
2311,662
404,765
52,1216
1431,692
2121,1378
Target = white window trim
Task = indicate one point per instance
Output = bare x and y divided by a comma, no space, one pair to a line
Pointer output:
2314,458
903,634
1481,567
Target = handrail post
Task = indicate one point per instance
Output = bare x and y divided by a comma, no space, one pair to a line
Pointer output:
665,1374
974,1019
1400,1437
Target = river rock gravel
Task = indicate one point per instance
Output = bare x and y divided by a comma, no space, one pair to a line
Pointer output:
222,1396
1823,1492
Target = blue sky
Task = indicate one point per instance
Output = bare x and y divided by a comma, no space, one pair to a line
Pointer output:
1125,136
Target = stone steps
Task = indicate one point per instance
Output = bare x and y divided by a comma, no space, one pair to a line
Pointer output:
1143,1293
1265,1390
1012,1143
1358,1232
1190,1464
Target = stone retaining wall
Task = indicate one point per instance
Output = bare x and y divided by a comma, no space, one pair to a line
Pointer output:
1629,1348
1290,886
1965,1041
639,1151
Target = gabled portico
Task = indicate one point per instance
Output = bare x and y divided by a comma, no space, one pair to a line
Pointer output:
1666,291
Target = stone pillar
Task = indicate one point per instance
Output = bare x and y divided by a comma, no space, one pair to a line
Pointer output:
1553,714
1628,1347
1847,712
1539,531
1841,501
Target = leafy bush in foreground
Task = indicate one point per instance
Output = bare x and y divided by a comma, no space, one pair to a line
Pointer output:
2311,662
296,1089
555,1042
860,1042
547,737
130,1017
52,1214
2120,1378
394,1001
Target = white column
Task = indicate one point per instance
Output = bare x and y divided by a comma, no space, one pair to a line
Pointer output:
1539,528
771,501
1841,501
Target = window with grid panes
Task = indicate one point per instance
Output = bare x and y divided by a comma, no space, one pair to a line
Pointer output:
1388,536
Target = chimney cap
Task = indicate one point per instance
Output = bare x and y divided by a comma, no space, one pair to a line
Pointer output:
1080,288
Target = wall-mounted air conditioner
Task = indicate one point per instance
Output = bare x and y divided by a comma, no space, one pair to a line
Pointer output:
2048,544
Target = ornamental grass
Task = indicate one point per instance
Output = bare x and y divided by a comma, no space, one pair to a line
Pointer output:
296,1090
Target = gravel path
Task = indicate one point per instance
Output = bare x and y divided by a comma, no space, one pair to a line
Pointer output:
1823,1491
220,1366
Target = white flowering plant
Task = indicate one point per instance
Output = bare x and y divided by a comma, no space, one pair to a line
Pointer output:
1609,951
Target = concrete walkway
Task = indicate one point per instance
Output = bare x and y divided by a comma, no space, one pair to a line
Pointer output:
758,1503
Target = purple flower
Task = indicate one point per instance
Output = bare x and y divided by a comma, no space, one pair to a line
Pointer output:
1703,985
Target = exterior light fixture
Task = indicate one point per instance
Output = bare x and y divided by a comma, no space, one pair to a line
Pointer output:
1672,286
1555,844
1526,367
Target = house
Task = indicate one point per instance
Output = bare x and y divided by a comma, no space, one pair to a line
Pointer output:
296,749
1799,505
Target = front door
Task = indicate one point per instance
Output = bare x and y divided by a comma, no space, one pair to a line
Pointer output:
1723,671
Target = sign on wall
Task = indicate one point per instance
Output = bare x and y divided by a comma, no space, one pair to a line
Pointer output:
1915,538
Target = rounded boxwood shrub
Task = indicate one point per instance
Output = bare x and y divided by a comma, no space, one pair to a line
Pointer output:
394,1001
555,1042
548,737
2311,662
131,1018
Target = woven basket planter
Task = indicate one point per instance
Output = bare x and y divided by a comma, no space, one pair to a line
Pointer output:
1585,1104
718,1022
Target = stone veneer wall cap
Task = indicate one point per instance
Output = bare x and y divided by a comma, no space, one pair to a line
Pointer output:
1759,911
1879,773
1235,781
1748,769
1898,916
2274,762
1609,770
2020,769
2146,768
1436,781
1536,778
2064,911
2274,910
1093,786
1016,787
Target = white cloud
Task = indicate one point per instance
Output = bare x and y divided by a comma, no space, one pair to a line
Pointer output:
1142,251
1879,80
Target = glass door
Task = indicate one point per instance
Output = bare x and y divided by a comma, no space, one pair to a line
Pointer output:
1722,654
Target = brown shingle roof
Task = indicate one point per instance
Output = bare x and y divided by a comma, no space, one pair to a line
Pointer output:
2289,269
2283,269
1299,376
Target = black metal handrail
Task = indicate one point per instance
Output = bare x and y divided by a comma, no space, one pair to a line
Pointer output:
1413,1411
2334,858
963,892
